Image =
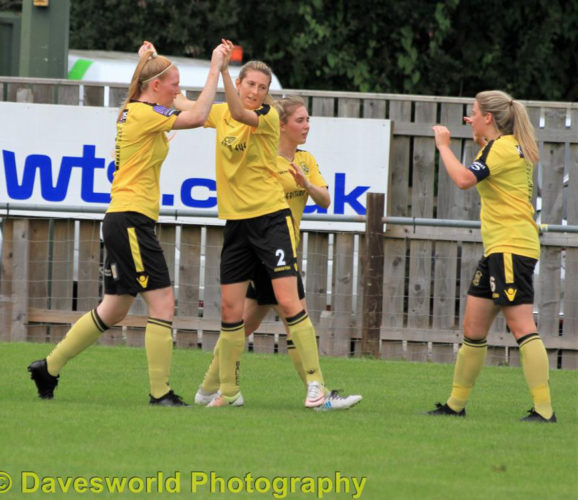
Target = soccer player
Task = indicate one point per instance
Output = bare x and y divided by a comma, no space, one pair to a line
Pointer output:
299,175
134,259
502,174
258,226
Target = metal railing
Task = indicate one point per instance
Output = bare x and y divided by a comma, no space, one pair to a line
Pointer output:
14,209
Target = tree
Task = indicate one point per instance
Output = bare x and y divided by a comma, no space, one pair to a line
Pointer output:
449,47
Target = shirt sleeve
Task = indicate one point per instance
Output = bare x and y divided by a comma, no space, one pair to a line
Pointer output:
315,176
480,167
215,115
268,120
158,118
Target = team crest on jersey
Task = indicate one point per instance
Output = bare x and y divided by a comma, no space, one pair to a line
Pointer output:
123,116
520,152
304,167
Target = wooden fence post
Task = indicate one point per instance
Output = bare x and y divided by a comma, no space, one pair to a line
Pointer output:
20,292
373,274
6,278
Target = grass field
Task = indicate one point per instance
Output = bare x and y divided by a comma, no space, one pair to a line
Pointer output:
100,426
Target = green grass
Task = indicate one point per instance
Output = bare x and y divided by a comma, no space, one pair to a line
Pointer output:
100,425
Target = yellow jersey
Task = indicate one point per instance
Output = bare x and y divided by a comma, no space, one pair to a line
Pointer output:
295,194
505,187
141,147
246,157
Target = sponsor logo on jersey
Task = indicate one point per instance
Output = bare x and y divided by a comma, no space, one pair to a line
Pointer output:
163,110
295,194
478,166
229,143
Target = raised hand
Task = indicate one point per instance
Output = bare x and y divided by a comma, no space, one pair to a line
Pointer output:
218,56
298,175
229,47
146,46
442,136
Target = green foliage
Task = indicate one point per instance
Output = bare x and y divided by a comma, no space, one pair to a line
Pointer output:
447,47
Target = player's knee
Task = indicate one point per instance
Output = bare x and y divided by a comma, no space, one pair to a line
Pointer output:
231,312
474,331
111,318
289,308
162,308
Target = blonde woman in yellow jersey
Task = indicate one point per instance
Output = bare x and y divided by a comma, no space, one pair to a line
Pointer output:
259,229
134,261
299,175
502,174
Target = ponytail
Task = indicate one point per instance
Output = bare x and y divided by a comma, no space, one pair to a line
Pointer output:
511,118
524,133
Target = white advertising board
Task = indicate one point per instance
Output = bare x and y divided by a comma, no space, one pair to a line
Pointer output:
63,156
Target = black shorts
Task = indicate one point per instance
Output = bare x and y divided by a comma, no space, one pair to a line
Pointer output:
268,240
505,278
261,288
134,258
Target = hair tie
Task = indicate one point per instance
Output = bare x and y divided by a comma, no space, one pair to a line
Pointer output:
158,74
511,102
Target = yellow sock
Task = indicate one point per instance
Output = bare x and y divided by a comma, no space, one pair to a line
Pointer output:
159,348
302,333
471,359
232,343
83,334
211,381
535,366
297,363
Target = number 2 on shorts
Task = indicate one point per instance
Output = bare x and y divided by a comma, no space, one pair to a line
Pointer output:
281,255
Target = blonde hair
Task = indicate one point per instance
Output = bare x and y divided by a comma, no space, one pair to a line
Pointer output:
286,106
263,68
511,118
150,66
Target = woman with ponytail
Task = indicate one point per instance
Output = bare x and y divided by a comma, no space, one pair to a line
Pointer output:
134,259
502,173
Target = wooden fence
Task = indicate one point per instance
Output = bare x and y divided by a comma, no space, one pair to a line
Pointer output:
398,293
